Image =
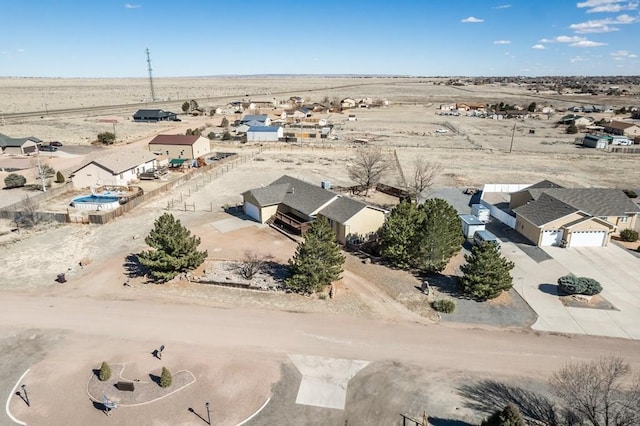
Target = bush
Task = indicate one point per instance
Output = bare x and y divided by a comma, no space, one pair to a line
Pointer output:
226,136
446,306
59,177
107,138
629,235
165,378
630,193
570,284
105,372
14,181
572,129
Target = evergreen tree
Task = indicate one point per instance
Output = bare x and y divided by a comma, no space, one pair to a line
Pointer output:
317,261
14,181
175,250
486,273
572,129
438,235
224,123
185,107
165,378
397,234
105,372
59,177
509,416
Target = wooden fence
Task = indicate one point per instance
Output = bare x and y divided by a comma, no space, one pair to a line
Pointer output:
624,149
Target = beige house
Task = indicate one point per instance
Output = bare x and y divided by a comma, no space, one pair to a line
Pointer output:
18,146
294,204
550,215
118,166
623,128
187,147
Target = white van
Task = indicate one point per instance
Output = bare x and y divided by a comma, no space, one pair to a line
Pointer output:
482,236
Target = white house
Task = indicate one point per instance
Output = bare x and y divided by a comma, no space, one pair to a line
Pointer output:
119,166
264,133
348,103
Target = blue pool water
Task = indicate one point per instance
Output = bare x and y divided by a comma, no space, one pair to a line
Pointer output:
95,199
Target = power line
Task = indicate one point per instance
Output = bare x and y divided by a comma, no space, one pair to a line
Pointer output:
153,95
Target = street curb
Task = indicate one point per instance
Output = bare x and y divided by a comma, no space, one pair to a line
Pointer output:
13,391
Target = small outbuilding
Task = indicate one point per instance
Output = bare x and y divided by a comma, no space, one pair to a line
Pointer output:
264,133
481,212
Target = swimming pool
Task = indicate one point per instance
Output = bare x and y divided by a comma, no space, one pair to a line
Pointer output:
96,202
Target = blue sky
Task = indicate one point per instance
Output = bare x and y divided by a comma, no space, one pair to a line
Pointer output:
108,38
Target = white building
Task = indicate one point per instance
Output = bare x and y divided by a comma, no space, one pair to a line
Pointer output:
118,166
264,133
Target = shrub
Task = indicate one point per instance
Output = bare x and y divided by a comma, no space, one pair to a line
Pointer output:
630,193
59,177
105,372
444,305
107,138
14,181
211,136
165,378
629,235
572,129
226,136
570,284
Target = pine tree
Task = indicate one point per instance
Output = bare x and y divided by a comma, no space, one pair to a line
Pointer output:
317,261
397,234
165,378
486,273
175,250
438,236
509,416
224,123
59,177
105,372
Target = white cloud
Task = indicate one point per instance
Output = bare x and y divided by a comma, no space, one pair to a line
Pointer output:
563,39
132,6
607,6
502,42
577,59
19,50
538,46
602,25
587,43
626,19
623,54
472,19
504,6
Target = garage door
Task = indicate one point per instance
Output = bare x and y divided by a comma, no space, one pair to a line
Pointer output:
551,237
587,238
252,211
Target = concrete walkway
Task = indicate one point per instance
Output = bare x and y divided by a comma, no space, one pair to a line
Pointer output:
612,266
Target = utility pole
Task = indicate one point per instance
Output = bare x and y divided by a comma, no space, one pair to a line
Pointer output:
513,132
153,95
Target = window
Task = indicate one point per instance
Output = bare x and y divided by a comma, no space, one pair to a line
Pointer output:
624,219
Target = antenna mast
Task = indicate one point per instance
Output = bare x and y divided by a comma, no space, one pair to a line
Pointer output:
153,95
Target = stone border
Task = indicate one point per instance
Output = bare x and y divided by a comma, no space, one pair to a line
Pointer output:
13,391
94,399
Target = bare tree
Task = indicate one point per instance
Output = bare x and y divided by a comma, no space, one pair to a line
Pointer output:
28,209
601,393
44,172
253,263
424,173
368,166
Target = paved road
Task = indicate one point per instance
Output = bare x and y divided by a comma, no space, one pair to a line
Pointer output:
433,346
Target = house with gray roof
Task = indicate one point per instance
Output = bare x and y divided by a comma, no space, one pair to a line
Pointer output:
117,166
18,146
154,115
550,215
256,120
294,204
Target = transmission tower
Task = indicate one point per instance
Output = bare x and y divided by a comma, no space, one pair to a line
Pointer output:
153,95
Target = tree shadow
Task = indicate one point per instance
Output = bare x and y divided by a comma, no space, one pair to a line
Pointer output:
489,396
437,421
96,372
551,289
155,379
100,406
133,267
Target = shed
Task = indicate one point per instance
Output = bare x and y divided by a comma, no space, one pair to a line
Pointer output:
471,224
264,133
481,212
595,141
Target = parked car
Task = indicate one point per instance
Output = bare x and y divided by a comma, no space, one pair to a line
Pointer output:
48,148
55,143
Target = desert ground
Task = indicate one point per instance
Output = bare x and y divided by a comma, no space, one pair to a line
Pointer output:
241,345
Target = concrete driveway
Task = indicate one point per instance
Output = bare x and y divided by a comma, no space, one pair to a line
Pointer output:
612,266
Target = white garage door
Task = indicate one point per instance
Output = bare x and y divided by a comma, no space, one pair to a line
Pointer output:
587,238
551,237
252,211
